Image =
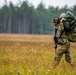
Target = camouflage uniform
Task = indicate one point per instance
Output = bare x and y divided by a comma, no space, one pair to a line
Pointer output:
63,46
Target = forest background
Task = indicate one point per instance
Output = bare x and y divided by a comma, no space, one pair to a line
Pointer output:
24,18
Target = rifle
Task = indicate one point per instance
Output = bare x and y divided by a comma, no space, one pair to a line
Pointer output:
55,39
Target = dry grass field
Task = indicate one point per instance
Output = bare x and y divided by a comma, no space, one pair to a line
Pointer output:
32,55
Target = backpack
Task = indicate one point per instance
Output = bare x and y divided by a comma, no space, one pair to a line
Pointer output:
69,24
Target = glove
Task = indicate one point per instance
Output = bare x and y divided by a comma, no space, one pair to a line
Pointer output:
55,46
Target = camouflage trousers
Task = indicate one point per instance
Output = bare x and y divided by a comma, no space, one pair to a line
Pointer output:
62,49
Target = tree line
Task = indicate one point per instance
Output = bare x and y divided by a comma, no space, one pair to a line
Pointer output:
24,18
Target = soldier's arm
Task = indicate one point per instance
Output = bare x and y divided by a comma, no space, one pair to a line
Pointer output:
60,30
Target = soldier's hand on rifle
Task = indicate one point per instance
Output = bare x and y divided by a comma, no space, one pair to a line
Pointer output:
55,46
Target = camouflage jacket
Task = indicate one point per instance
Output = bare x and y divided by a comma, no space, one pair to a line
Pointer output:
64,36
61,35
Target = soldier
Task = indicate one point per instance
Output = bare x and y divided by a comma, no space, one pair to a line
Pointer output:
62,41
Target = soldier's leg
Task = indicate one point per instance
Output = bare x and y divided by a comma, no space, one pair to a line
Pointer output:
67,54
68,57
58,56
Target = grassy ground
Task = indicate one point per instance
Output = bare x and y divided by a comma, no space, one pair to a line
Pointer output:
32,55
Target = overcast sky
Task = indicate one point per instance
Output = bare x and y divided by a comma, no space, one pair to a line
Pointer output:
55,3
